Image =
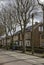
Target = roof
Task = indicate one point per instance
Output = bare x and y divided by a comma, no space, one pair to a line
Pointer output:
29,28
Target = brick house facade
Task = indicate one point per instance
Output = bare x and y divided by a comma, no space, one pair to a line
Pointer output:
38,41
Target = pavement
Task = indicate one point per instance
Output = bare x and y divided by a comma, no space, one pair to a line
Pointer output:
16,58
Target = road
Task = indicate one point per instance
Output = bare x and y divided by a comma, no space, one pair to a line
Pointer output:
15,58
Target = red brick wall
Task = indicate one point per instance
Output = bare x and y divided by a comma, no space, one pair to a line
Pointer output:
36,38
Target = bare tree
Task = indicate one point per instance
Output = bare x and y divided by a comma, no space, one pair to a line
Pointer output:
19,13
8,19
3,20
23,11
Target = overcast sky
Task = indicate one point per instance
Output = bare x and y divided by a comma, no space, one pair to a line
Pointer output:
37,18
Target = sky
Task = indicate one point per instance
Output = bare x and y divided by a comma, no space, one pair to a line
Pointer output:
36,18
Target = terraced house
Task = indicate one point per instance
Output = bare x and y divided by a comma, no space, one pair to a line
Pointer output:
38,39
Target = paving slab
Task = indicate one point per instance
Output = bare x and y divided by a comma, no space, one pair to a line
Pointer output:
15,58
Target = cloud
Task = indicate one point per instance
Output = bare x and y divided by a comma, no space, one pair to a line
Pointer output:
36,17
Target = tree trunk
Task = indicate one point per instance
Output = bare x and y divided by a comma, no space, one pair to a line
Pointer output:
23,37
23,41
6,36
12,39
18,39
3,42
6,43
11,44
6,40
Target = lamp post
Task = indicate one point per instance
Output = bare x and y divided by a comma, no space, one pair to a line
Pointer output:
32,34
41,3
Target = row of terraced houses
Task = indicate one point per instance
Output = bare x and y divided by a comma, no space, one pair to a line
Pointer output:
38,37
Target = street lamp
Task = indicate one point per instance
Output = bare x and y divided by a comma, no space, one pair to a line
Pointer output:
41,3
32,39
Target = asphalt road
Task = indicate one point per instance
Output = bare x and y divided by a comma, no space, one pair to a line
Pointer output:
15,58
